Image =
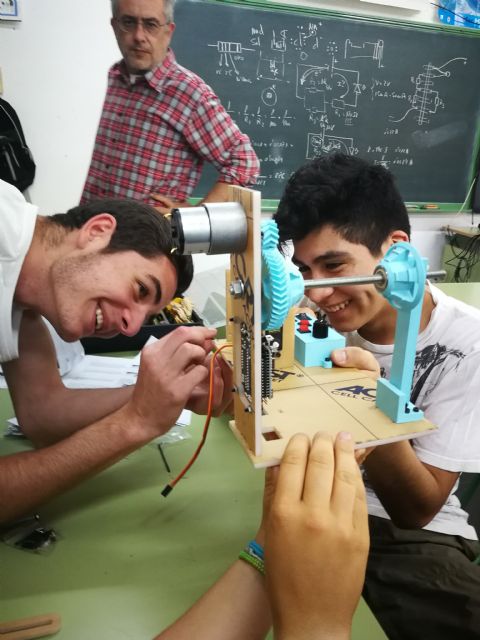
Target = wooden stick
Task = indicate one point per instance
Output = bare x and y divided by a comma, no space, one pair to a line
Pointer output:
30,628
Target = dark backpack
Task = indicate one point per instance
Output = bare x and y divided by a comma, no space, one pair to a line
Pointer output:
16,163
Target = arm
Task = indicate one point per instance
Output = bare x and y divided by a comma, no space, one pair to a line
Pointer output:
46,409
31,478
411,491
316,540
316,551
234,608
218,193
213,136
169,370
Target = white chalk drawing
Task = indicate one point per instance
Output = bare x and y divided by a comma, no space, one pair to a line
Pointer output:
318,144
229,51
271,66
427,100
263,119
269,96
329,87
334,83
279,42
372,50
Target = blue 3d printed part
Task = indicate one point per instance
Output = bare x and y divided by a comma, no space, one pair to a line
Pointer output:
315,341
282,283
405,274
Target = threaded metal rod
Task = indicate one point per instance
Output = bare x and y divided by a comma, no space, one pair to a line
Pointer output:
375,279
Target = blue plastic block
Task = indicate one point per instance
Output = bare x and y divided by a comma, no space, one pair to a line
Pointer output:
315,352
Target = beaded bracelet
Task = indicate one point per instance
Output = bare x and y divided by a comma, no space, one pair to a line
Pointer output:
253,555
253,560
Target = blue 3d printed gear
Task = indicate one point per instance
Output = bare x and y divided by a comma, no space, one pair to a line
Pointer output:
282,284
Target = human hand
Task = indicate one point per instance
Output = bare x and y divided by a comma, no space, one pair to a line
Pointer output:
166,204
358,358
222,389
271,477
316,539
362,360
170,369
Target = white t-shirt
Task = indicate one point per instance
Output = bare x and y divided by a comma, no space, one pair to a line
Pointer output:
17,223
446,386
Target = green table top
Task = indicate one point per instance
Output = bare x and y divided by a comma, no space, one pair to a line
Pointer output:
129,561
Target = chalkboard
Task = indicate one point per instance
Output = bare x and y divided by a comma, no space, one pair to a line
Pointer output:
302,83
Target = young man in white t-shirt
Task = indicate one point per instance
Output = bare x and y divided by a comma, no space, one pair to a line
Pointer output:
343,214
98,269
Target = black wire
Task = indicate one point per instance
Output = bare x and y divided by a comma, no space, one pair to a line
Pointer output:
458,15
465,259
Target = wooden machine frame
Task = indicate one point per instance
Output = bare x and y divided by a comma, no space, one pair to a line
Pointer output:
304,399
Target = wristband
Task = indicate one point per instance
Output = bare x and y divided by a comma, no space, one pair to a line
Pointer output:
255,548
254,561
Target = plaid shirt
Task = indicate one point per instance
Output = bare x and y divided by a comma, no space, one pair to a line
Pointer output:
155,134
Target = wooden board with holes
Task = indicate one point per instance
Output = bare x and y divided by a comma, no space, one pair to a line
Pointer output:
246,315
304,399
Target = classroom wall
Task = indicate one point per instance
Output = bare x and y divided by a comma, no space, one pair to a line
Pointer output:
54,65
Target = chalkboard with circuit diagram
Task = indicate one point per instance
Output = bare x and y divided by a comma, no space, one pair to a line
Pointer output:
303,83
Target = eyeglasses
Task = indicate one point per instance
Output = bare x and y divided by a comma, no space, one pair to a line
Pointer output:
151,26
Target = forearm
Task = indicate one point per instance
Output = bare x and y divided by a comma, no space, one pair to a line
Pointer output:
169,370
68,410
45,408
406,487
234,608
31,478
313,634
218,193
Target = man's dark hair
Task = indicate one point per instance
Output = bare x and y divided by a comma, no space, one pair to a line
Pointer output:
358,199
139,228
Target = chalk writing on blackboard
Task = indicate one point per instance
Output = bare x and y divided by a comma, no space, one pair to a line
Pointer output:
329,93
302,86
427,99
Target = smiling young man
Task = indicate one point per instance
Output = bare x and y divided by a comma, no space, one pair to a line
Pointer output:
342,214
161,122
99,269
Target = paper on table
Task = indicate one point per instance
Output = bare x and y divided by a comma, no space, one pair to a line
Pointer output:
94,372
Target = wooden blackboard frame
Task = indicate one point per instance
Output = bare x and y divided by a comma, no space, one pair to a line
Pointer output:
416,206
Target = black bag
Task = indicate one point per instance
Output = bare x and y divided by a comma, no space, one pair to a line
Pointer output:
16,163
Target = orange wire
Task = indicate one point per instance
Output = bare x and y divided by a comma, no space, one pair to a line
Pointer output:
171,484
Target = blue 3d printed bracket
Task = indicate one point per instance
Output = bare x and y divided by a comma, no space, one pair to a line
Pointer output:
404,272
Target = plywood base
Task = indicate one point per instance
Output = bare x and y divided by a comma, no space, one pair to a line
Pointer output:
311,399
331,400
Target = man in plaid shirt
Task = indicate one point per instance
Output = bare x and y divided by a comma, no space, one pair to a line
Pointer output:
161,122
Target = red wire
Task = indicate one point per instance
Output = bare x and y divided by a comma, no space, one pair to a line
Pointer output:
171,484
